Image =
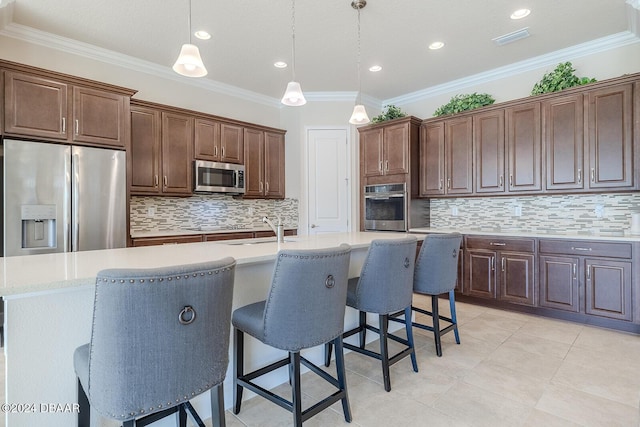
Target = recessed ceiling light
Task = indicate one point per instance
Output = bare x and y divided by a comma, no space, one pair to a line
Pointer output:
280,64
520,13
202,35
375,68
436,45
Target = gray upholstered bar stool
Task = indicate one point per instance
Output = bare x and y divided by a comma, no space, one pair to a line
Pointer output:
305,308
384,287
159,338
436,274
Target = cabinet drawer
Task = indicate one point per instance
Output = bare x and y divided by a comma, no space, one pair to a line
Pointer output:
588,248
501,244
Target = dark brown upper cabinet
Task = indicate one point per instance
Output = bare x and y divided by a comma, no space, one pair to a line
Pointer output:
446,156
264,164
563,135
161,152
610,137
488,145
218,142
51,108
524,148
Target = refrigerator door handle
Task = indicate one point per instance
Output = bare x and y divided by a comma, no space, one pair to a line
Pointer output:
75,191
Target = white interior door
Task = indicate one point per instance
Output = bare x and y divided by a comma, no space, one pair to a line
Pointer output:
328,180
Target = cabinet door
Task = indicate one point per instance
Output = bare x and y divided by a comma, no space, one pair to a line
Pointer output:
35,106
177,140
517,281
273,165
559,282
524,148
459,156
432,159
610,137
99,117
395,149
253,163
488,143
371,163
231,143
145,154
608,288
563,124
481,275
206,140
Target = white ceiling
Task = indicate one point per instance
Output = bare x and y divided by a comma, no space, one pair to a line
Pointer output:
250,35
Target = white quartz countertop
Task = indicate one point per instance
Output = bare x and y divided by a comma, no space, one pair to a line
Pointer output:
618,236
26,275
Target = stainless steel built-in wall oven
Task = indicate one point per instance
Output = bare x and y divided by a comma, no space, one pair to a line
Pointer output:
386,207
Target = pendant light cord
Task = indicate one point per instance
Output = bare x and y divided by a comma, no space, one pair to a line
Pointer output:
359,78
189,22
293,38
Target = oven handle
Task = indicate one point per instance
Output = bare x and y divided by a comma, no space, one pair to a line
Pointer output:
385,197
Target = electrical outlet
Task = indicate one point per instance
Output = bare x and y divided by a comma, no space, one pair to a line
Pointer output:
517,210
599,211
454,211
151,212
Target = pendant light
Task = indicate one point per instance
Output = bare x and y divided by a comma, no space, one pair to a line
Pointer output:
189,62
293,96
359,115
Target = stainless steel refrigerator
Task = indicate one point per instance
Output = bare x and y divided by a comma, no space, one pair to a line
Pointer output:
61,198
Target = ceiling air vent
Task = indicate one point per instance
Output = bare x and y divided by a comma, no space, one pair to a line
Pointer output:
511,37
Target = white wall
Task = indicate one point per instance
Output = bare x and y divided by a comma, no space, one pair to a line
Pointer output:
601,65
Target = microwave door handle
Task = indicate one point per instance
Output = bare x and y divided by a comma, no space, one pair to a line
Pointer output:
236,180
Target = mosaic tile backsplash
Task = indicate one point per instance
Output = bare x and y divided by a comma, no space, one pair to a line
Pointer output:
588,214
211,210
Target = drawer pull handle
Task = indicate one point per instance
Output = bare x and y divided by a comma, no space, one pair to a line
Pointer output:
579,175
575,274
493,263
497,244
580,249
502,261
501,181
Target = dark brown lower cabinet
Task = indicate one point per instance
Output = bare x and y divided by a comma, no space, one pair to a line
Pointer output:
594,285
501,268
559,282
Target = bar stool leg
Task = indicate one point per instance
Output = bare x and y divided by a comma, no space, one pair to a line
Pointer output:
327,353
238,357
436,324
342,379
84,412
409,328
363,329
294,362
384,351
217,406
454,319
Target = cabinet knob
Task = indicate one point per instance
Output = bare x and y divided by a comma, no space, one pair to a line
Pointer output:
313,226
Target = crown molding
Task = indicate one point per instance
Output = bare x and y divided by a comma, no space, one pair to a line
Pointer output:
598,45
86,50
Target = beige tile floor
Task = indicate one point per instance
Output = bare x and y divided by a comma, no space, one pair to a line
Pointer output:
511,369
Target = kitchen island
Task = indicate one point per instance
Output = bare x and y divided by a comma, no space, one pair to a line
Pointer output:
49,303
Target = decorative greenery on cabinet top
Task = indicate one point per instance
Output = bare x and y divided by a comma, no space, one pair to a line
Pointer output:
562,77
389,112
459,103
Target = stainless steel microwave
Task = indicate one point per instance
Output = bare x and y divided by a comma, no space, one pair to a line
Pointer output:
215,177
